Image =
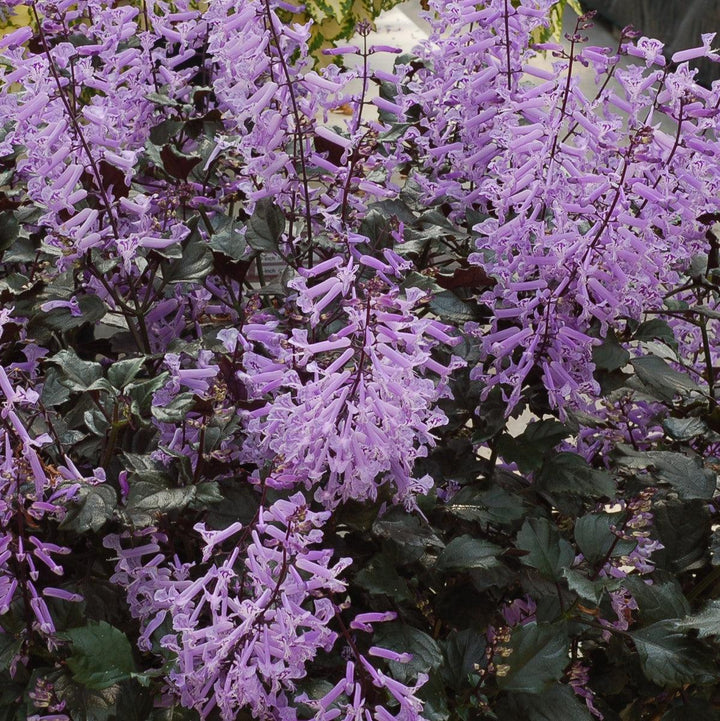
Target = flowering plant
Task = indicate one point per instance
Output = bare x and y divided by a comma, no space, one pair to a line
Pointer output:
404,414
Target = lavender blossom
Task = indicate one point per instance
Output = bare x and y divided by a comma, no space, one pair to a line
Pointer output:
242,628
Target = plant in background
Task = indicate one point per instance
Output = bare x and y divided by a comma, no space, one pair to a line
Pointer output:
261,364
335,20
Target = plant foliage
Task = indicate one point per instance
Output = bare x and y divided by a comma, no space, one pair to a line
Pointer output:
409,413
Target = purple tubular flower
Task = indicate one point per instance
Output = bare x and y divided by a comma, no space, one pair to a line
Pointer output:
364,621
215,538
7,593
71,304
16,38
63,595
384,49
42,614
700,52
390,655
342,50
332,137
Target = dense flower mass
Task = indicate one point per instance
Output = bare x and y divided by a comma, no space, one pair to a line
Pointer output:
267,327
362,414
593,205
241,637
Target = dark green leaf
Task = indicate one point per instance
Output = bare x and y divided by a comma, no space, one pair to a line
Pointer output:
194,265
685,474
11,690
451,308
530,448
227,240
162,100
88,704
464,651
394,208
101,655
557,703
705,311
684,531
546,551
176,411
467,552
148,500
96,422
697,709
545,434
23,250
496,577
265,227
145,467
163,131
412,535
675,304
400,637
123,372
685,429
207,494
149,497
240,504
705,622
595,536
54,393
610,355
101,384
416,280
17,283
141,392
492,506
539,655
91,508
669,658
589,589
134,704
661,600
10,646
655,329
489,419
433,694
76,374
396,132
661,378
376,226
379,577
569,473
436,219
9,229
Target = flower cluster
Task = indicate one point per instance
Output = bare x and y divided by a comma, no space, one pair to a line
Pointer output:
243,627
244,623
31,492
354,410
265,325
592,203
